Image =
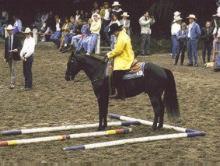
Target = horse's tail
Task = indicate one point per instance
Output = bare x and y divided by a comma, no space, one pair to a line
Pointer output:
170,96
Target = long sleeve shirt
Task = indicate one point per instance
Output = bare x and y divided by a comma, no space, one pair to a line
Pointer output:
146,24
175,28
95,25
28,47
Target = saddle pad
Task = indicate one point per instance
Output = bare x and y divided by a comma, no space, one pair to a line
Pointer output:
133,75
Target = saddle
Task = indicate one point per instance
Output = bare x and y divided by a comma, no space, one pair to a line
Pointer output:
136,71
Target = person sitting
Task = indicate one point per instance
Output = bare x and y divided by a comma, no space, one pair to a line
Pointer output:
65,31
77,41
55,37
95,28
123,56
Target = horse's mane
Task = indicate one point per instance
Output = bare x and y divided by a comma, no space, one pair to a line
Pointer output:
95,58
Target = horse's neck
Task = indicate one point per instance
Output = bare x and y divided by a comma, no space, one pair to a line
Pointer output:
94,69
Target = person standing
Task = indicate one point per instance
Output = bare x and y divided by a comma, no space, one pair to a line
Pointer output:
116,10
207,38
194,33
123,56
182,40
26,54
126,23
145,22
12,48
175,28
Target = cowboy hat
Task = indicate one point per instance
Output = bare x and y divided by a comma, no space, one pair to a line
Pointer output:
176,13
218,12
116,3
177,19
9,27
125,14
114,27
192,16
27,30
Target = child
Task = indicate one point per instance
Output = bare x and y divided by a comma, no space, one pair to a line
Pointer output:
182,39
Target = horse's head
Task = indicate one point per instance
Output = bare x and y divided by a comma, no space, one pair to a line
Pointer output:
73,67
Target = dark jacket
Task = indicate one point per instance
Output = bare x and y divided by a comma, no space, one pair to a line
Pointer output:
207,35
16,45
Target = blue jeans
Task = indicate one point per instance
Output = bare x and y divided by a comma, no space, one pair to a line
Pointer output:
113,41
92,43
27,71
192,51
75,40
175,46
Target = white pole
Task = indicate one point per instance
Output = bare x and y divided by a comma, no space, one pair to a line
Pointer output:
97,48
64,128
64,137
148,123
133,140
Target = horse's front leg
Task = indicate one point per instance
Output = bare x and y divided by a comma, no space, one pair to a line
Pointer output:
103,111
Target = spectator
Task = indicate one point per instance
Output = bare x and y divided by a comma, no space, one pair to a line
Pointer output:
126,23
175,28
94,29
17,25
145,22
182,40
194,33
26,54
65,31
117,10
216,54
77,15
207,38
114,19
12,48
55,37
105,14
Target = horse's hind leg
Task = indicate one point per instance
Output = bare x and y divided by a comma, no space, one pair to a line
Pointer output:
157,107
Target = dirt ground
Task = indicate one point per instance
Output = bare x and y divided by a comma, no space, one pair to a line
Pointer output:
54,102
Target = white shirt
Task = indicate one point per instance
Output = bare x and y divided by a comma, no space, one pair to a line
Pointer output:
107,15
175,28
189,29
146,25
18,24
58,26
28,47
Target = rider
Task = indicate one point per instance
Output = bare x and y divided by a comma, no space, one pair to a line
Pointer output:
123,56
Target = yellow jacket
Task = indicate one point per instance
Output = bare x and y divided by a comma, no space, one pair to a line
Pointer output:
123,53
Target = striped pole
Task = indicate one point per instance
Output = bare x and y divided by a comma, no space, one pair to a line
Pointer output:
64,128
133,140
149,123
64,137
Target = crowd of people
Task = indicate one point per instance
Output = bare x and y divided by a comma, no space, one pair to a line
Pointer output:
81,31
186,38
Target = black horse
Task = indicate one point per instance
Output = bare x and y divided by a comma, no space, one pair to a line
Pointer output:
155,82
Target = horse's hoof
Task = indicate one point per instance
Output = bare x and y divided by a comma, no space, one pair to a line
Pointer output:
160,127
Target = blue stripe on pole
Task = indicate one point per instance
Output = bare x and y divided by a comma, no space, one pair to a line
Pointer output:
190,131
79,147
196,134
11,132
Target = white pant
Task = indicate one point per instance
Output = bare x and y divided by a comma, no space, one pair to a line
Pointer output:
12,68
